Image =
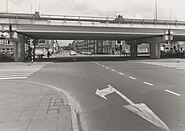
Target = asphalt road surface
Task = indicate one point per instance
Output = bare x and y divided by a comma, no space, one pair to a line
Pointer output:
160,89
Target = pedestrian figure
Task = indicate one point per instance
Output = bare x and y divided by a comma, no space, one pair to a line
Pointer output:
48,54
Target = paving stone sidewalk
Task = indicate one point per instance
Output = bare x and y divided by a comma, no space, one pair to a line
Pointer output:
32,107
171,63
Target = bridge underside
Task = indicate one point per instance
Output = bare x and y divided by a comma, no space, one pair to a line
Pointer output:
84,36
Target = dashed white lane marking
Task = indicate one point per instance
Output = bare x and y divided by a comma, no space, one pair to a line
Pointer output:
107,67
132,77
102,65
121,73
172,92
148,83
113,70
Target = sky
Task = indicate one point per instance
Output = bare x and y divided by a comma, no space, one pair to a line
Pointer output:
166,9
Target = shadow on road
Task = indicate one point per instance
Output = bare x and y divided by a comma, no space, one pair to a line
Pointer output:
85,59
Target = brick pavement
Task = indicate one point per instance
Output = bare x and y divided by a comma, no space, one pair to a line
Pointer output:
175,63
33,107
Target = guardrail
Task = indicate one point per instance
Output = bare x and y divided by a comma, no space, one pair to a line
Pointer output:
66,18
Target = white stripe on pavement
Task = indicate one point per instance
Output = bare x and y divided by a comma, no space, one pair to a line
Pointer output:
121,73
107,68
148,83
132,77
9,75
7,78
113,70
172,92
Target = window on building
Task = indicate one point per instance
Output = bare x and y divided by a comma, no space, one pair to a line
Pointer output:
7,42
1,41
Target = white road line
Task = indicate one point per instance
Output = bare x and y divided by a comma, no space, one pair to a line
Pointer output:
132,77
107,67
172,92
121,73
148,83
113,70
8,78
102,65
18,75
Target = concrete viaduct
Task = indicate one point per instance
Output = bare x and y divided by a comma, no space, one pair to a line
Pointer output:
20,27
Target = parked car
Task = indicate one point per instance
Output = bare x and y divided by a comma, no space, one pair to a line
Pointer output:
86,53
6,55
72,52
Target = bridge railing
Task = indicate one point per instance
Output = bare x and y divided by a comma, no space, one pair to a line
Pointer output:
65,18
88,19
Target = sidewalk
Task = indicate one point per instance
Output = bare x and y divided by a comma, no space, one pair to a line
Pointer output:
175,63
32,107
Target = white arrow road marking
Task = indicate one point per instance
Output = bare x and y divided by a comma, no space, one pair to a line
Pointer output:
140,109
102,93
145,112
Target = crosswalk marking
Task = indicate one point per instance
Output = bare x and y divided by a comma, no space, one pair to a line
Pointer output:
18,72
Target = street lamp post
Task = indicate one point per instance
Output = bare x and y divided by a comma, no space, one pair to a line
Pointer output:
6,6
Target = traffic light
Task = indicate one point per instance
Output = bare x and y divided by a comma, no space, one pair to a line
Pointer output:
10,27
168,35
119,42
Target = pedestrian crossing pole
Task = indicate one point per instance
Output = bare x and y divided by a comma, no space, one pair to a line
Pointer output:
32,51
32,55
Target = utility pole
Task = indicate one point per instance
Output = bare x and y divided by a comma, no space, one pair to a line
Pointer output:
156,13
31,8
6,6
39,7
170,14
115,14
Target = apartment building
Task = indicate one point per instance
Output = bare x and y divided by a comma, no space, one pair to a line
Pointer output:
6,46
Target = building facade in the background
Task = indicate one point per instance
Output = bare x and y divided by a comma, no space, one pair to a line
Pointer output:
94,46
6,46
106,47
113,47
174,46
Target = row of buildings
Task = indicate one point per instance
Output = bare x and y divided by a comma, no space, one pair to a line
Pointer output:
113,47
93,46
7,47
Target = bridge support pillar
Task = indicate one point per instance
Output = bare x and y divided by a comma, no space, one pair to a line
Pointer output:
133,51
154,45
155,50
19,49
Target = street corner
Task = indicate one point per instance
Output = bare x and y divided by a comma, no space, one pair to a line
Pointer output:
42,106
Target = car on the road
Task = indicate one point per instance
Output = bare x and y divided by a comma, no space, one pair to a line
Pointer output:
72,52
